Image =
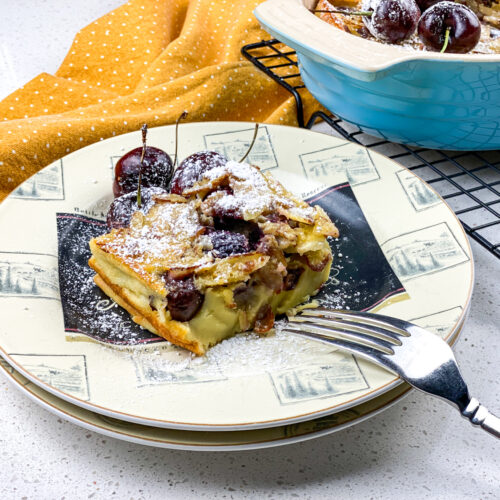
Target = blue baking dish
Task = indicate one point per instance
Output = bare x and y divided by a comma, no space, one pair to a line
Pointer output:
422,98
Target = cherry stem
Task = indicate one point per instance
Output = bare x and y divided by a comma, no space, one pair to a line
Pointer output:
144,130
365,13
446,39
252,143
183,115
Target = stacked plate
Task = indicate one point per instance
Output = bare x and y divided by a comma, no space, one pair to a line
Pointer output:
76,353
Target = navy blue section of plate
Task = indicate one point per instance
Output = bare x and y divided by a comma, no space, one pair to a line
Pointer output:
86,309
361,277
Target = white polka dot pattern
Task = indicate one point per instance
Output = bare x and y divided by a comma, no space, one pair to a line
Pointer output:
147,61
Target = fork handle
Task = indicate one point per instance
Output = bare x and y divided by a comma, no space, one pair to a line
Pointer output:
479,415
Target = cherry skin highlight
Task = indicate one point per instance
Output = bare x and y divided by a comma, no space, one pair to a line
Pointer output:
392,20
191,168
463,25
157,169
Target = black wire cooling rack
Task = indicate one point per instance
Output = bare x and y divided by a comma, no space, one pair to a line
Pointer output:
468,181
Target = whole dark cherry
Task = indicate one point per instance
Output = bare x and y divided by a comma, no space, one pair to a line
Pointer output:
183,299
190,170
121,210
464,27
392,20
157,170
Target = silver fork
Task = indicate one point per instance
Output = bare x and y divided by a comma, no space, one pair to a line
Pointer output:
418,356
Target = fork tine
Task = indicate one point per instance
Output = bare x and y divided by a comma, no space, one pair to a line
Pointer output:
359,338
390,325
369,353
378,332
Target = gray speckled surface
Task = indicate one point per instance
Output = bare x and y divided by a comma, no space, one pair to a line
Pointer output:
420,448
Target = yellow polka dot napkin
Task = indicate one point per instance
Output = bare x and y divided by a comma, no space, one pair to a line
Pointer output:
145,62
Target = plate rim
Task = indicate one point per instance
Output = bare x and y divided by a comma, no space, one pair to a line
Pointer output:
153,422
451,339
160,443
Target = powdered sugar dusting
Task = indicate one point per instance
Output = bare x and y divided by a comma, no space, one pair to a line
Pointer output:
251,194
242,171
391,18
167,235
122,208
489,42
243,355
211,160
87,311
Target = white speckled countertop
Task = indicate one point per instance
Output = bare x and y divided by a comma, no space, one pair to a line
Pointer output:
419,448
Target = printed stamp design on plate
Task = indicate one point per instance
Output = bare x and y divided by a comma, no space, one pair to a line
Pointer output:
420,194
164,367
97,210
66,372
440,322
340,375
48,184
425,251
234,145
341,161
28,275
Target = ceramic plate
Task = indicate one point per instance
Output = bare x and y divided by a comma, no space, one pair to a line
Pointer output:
196,440
205,441
401,249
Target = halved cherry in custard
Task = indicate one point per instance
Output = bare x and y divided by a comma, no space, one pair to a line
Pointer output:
183,298
292,278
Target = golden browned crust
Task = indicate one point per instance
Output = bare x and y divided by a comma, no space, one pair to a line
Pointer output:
173,331
113,292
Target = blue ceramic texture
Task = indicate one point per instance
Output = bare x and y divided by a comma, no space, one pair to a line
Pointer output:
434,104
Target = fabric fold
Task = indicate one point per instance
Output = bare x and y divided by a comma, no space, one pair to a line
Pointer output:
145,62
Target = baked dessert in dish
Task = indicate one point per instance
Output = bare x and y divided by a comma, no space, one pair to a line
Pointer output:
442,26
225,251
